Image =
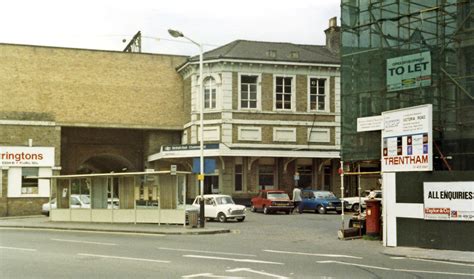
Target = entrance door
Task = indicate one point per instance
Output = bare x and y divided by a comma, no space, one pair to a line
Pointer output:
211,184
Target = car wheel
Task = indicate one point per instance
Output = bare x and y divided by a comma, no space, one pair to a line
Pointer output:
221,217
265,210
240,219
321,209
338,211
355,207
288,212
252,208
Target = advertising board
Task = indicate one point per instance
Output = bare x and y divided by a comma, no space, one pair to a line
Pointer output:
407,139
409,71
452,201
25,156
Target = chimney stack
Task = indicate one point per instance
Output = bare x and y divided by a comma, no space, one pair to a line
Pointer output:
333,36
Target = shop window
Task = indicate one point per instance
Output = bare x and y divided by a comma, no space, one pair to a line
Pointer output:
306,174
29,185
327,178
265,177
238,178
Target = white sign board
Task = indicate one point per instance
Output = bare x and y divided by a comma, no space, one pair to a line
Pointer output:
371,123
24,156
407,139
449,200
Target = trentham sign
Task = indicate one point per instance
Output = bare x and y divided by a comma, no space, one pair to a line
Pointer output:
407,139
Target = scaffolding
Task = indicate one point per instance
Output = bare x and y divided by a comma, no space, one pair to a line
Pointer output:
374,31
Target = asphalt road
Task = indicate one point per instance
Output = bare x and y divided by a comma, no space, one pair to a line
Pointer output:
263,246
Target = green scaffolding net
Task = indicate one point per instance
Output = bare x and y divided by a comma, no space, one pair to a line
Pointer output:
374,33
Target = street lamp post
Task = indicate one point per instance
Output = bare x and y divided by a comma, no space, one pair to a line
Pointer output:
177,34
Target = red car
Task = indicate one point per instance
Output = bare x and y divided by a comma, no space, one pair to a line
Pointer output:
272,201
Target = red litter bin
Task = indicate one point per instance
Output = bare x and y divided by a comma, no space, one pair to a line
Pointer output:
372,221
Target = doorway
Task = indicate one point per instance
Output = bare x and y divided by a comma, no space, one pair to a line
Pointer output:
211,184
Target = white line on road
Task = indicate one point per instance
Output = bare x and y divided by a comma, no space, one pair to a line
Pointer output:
433,261
123,258
209,275
230,259
397,269
20,249
311,254
257,272
84,242
206,252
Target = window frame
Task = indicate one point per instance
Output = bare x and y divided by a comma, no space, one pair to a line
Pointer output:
259,92
327,99
212,86
293,93
29,183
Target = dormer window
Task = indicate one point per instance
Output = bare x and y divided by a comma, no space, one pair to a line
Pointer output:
271,53
295,55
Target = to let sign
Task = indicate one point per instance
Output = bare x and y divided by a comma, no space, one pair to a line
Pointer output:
409,71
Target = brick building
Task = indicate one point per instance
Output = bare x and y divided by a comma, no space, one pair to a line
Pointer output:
272,111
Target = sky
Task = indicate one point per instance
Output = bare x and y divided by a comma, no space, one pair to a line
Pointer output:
105,24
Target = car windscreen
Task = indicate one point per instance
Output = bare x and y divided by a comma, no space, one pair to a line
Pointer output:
324,195
278,196
224,200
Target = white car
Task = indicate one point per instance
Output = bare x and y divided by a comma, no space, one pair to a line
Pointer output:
76,201
221,208
353,202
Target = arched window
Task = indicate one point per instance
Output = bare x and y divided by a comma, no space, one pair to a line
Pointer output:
210,93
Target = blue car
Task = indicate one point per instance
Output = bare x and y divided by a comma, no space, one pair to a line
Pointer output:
320,201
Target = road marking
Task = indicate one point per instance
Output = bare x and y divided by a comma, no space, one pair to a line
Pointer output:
311,254
20,249
257,272
206,252
83,231
230,259
209,275
434,261
85,242
398,269
123,258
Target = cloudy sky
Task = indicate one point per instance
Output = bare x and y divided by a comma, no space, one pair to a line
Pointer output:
103,24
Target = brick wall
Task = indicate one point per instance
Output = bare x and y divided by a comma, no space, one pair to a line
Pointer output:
90,87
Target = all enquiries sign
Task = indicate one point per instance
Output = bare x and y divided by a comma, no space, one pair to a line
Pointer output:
449,201
24,156
407,139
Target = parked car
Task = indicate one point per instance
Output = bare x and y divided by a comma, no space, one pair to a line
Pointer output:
270,201
353,202
320,201
75,201
221,208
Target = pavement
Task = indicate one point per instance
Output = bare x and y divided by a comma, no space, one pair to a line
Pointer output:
42,222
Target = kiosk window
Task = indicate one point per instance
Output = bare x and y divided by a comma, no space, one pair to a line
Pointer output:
29,185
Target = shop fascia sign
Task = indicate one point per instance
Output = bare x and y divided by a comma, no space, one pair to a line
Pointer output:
187,147
406,138
25,156
409,71
450,201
